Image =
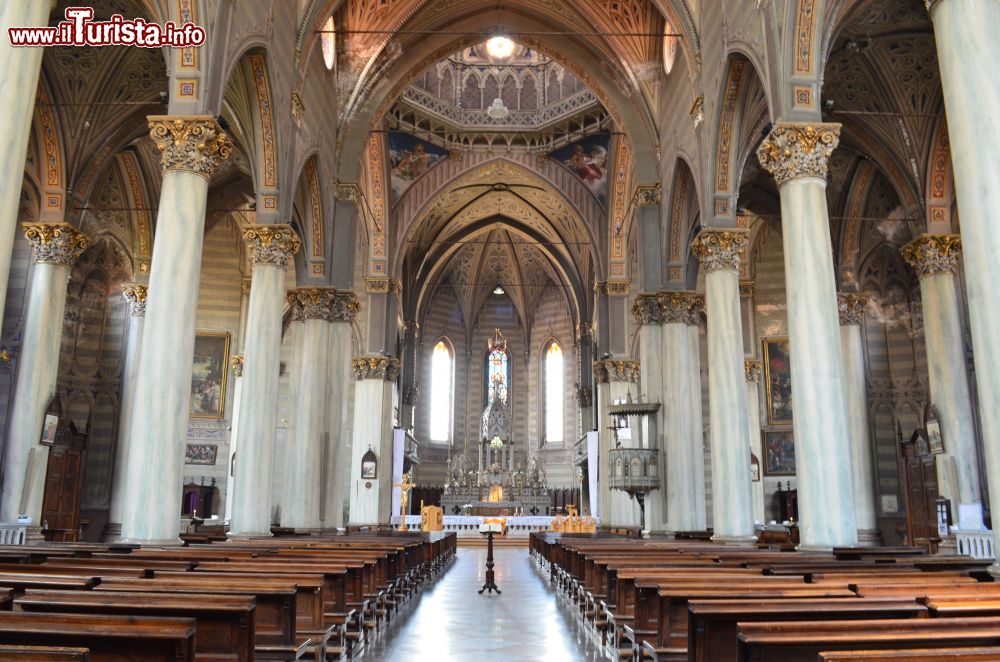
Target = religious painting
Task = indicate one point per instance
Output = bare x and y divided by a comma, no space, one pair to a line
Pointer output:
588,160
410,157
208,374
369,465
932,427
754,468
779,453
49,430
200,453
778,380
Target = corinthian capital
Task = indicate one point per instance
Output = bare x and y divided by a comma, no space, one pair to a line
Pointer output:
851,307
375,367
720,249
933,254
237,363
751,370
57,243
681,307
646,310
272,244
616,371
798,149
135,295
192,143
311,303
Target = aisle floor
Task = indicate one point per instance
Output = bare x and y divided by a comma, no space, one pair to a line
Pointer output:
450,621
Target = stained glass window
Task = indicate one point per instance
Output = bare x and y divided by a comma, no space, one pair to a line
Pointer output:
328,44
497,375
441,392
554,393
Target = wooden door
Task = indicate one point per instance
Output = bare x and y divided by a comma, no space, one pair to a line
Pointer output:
920,489
61,507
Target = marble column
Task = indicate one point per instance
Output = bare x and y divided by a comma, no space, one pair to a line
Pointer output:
135,298
649,317
684,455
752,374
372,430
191,147
732,513
796,155
236,363
617,380
303,494
935,259
851,307
273,247
55,247
19,71
971,95
337,479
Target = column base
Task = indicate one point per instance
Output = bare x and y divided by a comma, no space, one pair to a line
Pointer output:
948,546
994,570
156,542
869,538
735,541
248,535
112,532
33,535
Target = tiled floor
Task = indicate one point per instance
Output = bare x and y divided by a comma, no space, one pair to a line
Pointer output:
450,621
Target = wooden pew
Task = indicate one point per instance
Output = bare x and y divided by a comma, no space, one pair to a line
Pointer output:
108,638
989,654
10,653
22,582
794,641
712,623
224,624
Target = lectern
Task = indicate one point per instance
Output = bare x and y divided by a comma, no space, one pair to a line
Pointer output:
488,529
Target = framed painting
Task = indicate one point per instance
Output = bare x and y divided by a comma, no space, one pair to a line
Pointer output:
208,374
932,427
369,465
200,453
778,380
754,468
779,453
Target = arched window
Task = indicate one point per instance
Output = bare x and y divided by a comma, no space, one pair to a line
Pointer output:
326,41
554,392
497,375
442,388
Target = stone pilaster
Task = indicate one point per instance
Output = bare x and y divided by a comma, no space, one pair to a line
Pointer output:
719,253
272,247
935,259
752,371
54,247
337,483
797,155
191,148
135,299
373,396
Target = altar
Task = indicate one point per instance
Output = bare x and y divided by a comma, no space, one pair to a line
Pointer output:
467,526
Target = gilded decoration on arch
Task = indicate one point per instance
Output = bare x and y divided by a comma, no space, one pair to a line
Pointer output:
194,143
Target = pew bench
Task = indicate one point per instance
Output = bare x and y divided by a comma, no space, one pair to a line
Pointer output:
987,654
11,653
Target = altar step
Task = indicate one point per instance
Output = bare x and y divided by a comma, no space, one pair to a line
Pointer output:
498,541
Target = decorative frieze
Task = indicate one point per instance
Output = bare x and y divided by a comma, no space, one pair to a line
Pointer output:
376,367
135,296
931,254
851,307
646,309
382,285
237,363
720,249
194,143
617,288
751,370
58,243
272,245
798,149
616,371
681,307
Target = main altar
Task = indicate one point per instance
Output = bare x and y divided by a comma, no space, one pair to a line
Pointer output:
499,485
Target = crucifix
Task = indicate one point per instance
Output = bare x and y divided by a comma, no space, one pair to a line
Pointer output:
404,497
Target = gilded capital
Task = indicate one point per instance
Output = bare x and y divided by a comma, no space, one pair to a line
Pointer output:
720,249
649,195
851,307
272,244
681,307
616,371
345,306
322,303
746,288
237,363
57,243
617,288
382,285
346,192
798,149
646,309
376,367
135,295
751,370
194,143
931,254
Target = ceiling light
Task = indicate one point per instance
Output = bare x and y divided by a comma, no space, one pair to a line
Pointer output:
497,109
498,290
500,47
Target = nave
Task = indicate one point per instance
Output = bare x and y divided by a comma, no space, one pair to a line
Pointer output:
450,621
